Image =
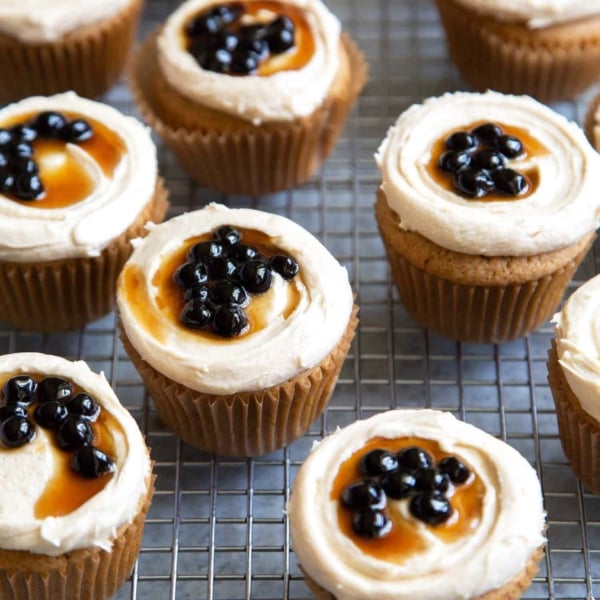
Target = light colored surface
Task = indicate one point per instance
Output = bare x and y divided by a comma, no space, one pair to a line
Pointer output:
510,530
267,357
282,96
563,208
578,344
28,234
25,472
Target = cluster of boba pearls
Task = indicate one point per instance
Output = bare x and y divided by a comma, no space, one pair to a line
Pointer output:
220,276
410,473
477,159
51,404
221,43
18,169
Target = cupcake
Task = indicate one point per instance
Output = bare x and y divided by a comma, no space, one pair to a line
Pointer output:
76,482
487,205
56,46
78,181
250,96
238,321
416,505
544,48
573,374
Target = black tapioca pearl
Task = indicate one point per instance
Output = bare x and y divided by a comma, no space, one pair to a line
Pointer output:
453,161
20,390
474,183
414,458
243,253
510,145
371,524
48,124
366,494
286,266
54,388
399,484
432,508
244,62
8,411
50,414
28,186
90,462
83,405
488,133
432,480
510,182
456,470
23,164
227,292
16,431
202,251
221,267
24,133
280,35
203,25
21,149
489,159
7,181
76,131
227,235
252,40
73,433
462,141
256,276
226,40
229,320
378,462
196,314
198,292
6,138
191,273
4,159
217,61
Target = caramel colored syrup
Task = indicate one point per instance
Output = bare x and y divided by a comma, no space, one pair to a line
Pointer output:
296,57
66,182
66,490
404,538
170,301
532,148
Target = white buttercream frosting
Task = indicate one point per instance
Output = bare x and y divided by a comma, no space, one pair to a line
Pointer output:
26,471
496,551
578,344
49,20
535,13
282,96
563,208
284,347
86,227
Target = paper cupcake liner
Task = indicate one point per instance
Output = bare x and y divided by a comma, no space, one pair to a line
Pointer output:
579,432
88,61
65,294
245,423
512,590
472,311
90,573
550,64
249,159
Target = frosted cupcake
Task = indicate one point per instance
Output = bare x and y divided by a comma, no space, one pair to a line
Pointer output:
574,374
238,322
487,206
416,505
549,49
78,180
251,96
76,482
57,46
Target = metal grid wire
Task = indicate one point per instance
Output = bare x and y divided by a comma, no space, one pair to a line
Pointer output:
217,528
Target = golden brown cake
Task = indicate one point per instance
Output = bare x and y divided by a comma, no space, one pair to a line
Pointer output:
257,105
487,206
547,49
78,181
76,482
239,322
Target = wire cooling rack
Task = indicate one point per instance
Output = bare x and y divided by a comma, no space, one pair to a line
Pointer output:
217,528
